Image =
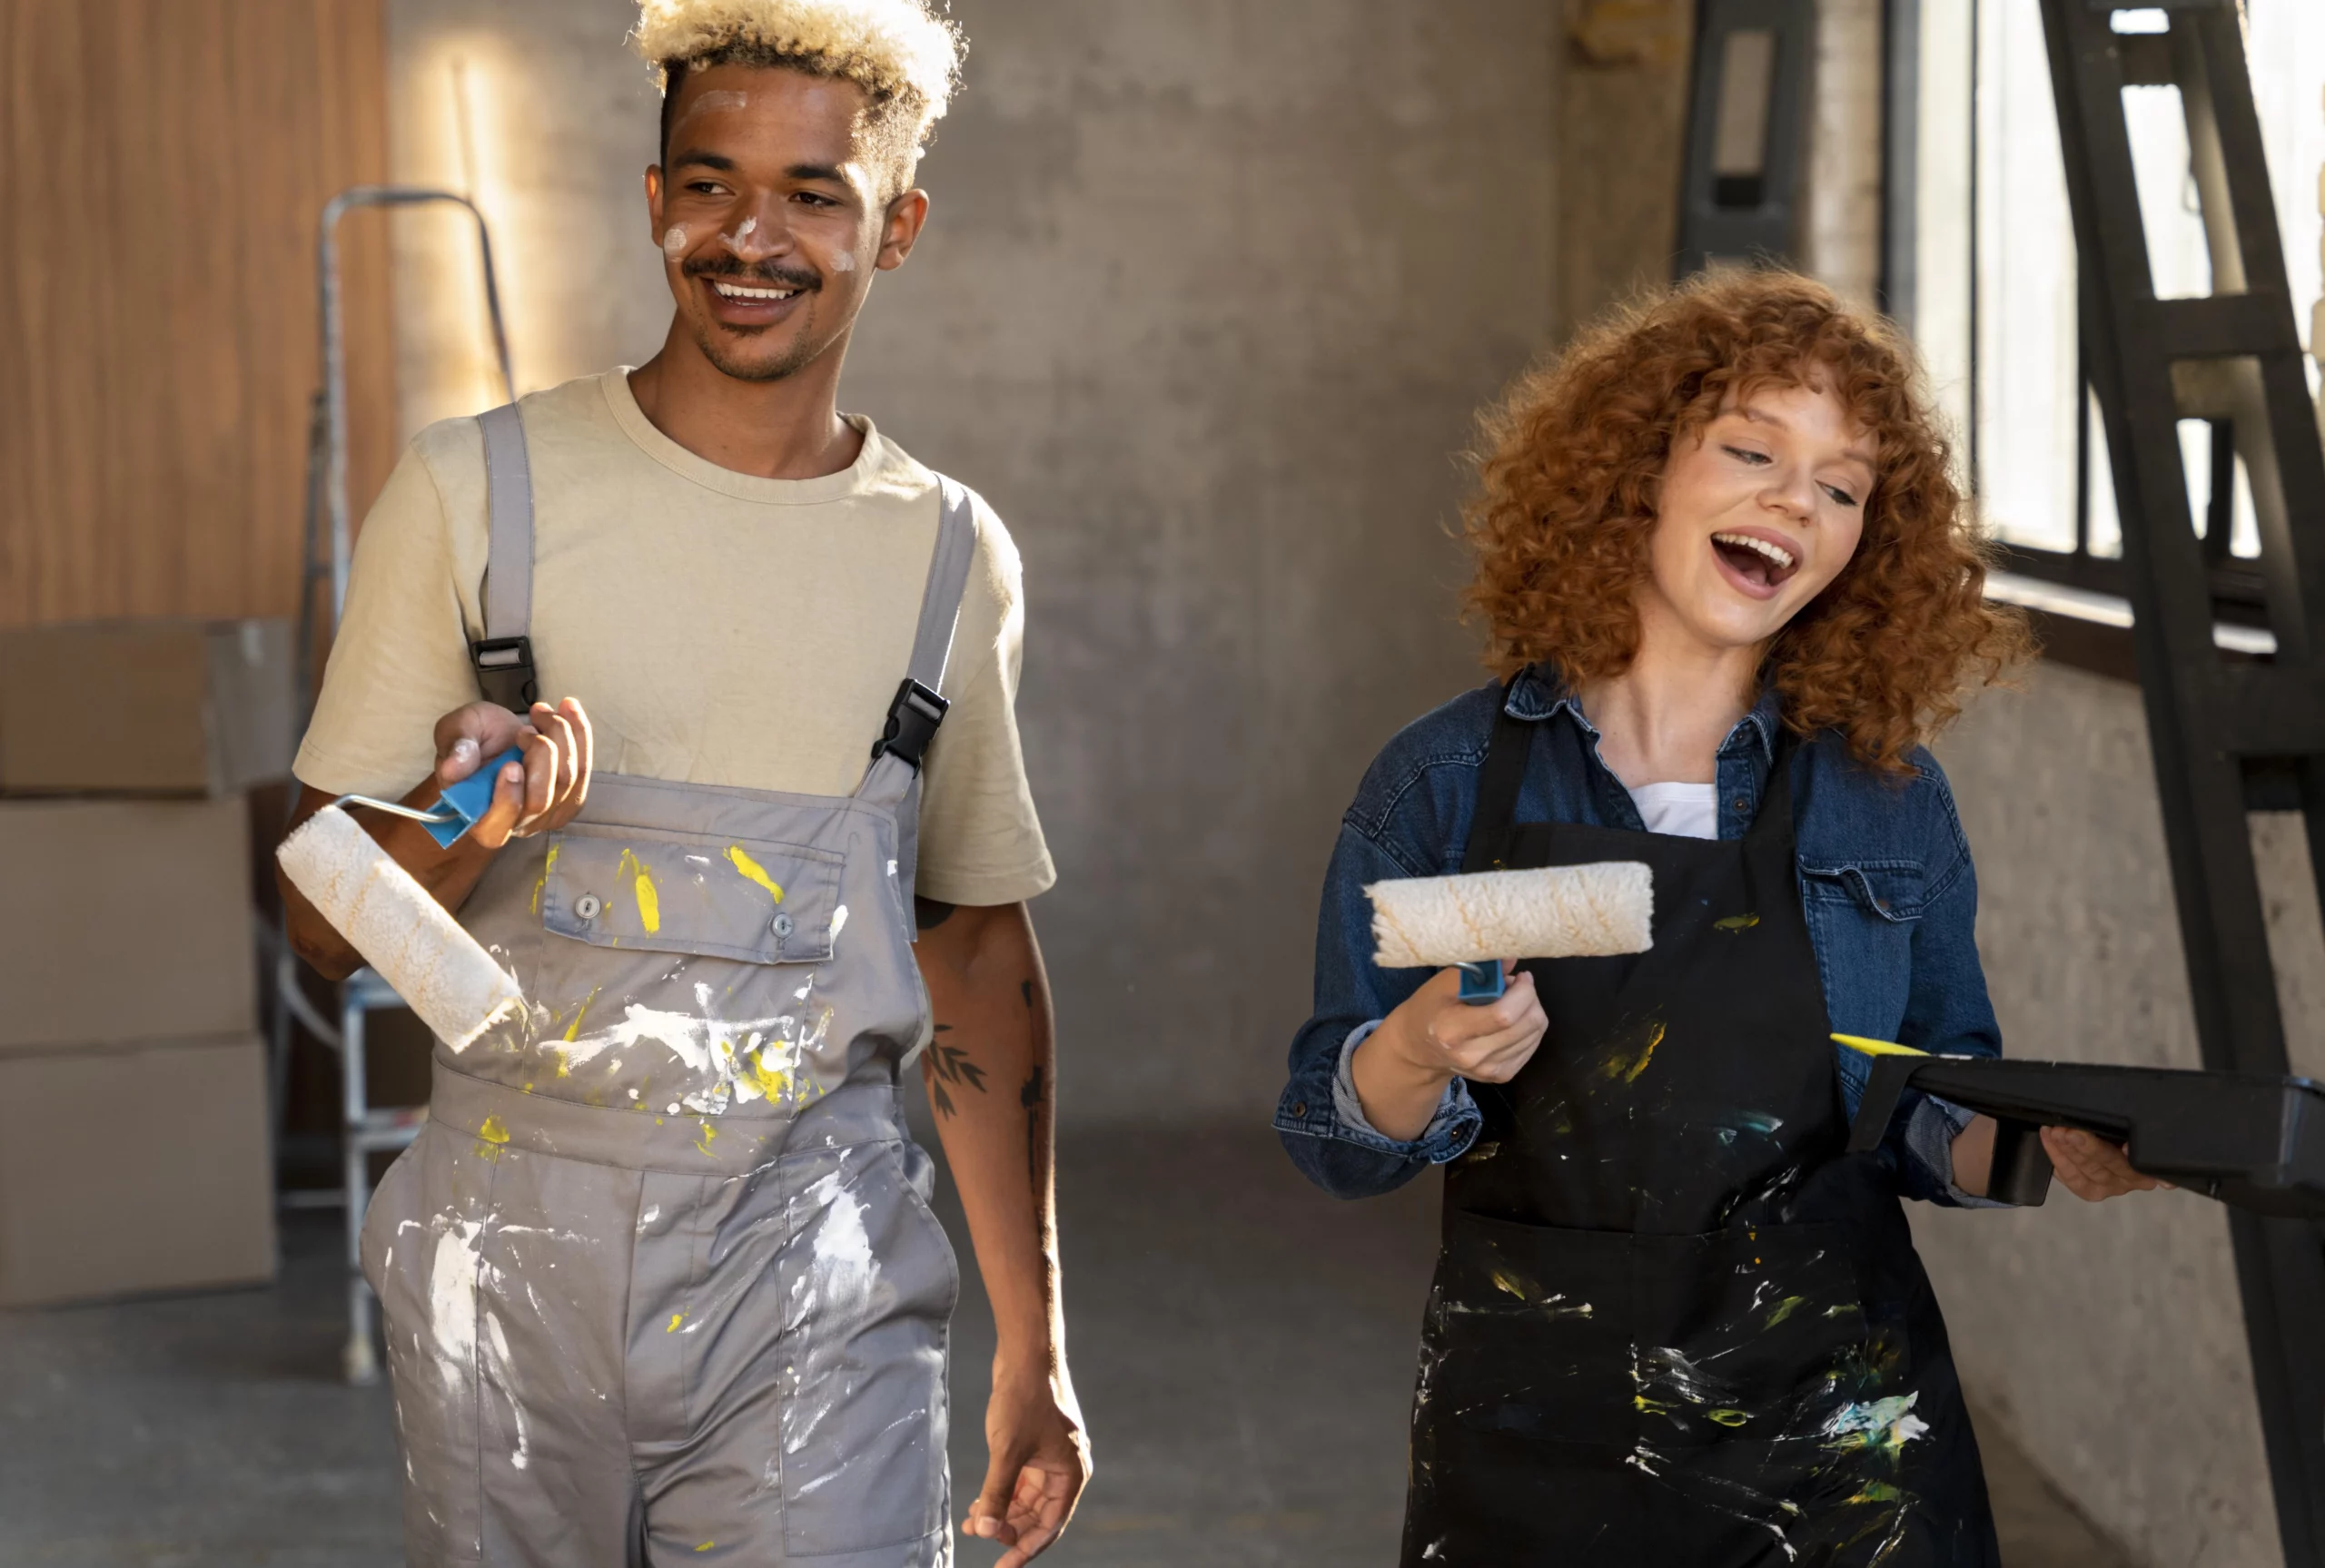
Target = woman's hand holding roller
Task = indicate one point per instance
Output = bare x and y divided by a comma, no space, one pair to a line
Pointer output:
1434,1037
542,796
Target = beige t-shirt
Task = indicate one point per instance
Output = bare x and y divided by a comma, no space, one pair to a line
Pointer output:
718,628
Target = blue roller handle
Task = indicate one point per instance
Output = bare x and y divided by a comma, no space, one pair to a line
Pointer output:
469,799
1483,982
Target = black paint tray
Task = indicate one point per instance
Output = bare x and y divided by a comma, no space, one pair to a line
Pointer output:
2253,1141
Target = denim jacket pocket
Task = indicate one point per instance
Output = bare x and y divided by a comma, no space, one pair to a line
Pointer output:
1862,916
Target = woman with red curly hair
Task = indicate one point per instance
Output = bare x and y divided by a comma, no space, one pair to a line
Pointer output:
1730,590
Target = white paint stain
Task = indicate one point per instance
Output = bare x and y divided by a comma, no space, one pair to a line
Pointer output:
674,241
840,1278
839,922
504,1371
733,1061
739,242
844,262
653,1212
454,1274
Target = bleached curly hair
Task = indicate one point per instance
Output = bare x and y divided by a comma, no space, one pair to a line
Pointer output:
905,56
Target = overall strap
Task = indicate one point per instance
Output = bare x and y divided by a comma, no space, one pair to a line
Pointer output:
919,707
1498,778
504,655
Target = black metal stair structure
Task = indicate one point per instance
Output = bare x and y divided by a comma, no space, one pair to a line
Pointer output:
2229,735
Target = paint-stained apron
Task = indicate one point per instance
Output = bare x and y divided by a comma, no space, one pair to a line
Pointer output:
1673,1322
660,1279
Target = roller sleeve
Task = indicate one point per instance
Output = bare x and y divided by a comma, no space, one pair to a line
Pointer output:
1559,911
402,932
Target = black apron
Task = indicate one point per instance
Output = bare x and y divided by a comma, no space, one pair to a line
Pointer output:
1673,1322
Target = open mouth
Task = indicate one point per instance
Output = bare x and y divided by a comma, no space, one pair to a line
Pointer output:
1759,566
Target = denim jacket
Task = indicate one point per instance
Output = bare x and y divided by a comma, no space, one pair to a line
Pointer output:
1885,882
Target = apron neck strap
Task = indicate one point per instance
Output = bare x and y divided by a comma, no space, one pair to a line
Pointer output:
1498,778
1774,820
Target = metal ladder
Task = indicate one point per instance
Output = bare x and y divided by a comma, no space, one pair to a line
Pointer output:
2229,736
364,1128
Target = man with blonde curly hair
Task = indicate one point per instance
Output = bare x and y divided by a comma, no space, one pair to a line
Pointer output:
661,1282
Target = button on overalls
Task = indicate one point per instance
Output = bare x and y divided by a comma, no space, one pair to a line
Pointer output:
1673,1321
660,1280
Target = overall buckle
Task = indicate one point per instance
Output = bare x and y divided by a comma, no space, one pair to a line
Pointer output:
504,671
912,719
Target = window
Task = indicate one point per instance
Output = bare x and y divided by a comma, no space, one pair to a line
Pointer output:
1992,286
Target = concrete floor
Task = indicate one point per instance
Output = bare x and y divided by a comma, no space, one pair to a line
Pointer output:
1243,1348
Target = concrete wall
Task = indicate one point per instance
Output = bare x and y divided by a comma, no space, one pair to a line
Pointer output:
2108,1340
1208,296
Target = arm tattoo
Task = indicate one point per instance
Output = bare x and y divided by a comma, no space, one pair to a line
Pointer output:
949,1064
927,914
1030,1096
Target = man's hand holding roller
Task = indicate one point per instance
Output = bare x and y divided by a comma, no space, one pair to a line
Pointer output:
541,796
1434,1037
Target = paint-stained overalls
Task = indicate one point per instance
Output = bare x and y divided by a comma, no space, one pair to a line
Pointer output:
1673,1322
660,1278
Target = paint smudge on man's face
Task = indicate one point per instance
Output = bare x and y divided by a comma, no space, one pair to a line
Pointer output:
674,241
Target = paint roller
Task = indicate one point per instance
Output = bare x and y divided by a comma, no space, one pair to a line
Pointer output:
1473,922
403,933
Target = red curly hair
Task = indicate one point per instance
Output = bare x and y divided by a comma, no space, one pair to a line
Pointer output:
1572,460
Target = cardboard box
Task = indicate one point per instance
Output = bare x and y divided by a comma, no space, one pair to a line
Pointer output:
131,1169
145,707
124,921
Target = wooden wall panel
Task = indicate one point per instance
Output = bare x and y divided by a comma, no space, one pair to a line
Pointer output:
163,165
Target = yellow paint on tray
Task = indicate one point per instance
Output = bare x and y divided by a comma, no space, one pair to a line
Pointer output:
751,870
1877,1047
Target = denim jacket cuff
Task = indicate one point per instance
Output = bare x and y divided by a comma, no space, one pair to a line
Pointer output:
1930,1133
1447,1136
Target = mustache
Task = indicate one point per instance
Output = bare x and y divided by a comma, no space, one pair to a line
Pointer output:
766,273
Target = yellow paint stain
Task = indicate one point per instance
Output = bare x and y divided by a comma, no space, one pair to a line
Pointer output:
1628,1067
1737,923
706,1545
1652,1406
752,871
1786,1309
1876,1491
675,1318
708,1132
573,1032
649,903
1877,1047
774,1082
1505,1281
494,1130
547,866
1726,1417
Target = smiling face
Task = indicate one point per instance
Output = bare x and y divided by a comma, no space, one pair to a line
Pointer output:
1755,516
771,216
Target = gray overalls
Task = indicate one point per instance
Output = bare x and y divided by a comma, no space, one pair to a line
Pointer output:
662,1281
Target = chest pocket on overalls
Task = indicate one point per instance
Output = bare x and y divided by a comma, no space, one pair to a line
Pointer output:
1861,918
754,900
